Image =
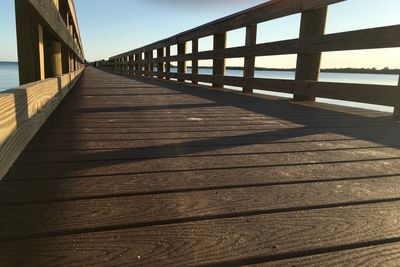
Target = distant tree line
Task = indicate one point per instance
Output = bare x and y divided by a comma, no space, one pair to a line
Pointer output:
385,70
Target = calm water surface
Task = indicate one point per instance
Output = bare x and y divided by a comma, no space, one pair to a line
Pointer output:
8,75
9,79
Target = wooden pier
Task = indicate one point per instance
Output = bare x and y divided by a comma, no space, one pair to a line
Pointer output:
133,169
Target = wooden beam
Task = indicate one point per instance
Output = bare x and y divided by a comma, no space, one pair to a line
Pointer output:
195,62
308,65
382,37
147,64
42,72
56,58
249,61
167,64
160,65
396,112
181,63
29,43
65,59
267,11
24,110
219,64
50,15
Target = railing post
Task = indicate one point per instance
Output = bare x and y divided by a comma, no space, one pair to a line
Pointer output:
249,62
147,63
195,62
56,59
219,64
168,62
30,44
138,59
308,65
130,66
181,63
396,112
160,64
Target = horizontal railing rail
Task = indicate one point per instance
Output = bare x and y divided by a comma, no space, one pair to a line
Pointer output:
24,110
309,46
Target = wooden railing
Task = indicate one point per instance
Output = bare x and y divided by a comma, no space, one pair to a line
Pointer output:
51,61
49,42
308,47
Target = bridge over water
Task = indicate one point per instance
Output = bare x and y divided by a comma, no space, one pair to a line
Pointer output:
127,163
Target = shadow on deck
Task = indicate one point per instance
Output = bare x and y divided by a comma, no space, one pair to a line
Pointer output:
144,171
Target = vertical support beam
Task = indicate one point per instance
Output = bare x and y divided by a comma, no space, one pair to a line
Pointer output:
219,64
308,65
167,63
56,59
160,64
65,59
41,53
138,66
195,62
249,62
151,63
147,63
181,63
131,65
30,43
57,4
396,112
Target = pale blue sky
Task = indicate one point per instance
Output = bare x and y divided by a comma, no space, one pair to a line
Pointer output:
111,27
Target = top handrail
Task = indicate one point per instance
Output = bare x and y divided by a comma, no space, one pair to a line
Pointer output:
267,11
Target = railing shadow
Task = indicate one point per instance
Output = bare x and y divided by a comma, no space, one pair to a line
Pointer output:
362,128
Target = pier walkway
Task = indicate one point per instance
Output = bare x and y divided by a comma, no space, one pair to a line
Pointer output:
142,171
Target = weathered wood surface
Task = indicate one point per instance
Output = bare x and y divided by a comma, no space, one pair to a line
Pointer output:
49,13
25,109
150,172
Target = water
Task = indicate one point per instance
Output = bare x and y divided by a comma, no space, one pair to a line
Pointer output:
9,77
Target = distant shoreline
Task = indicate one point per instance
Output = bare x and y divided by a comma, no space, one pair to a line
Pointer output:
332,70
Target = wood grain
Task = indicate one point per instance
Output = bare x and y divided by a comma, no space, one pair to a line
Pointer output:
234,241
24,110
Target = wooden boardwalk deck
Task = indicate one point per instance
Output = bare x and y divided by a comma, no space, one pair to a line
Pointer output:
149,172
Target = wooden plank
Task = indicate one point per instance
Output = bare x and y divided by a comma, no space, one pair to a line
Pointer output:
28,221
378,254
365,93
182,164
308,65
240,240
42,156
24,110
249,62
264,12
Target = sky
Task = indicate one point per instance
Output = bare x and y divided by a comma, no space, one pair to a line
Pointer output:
112,27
